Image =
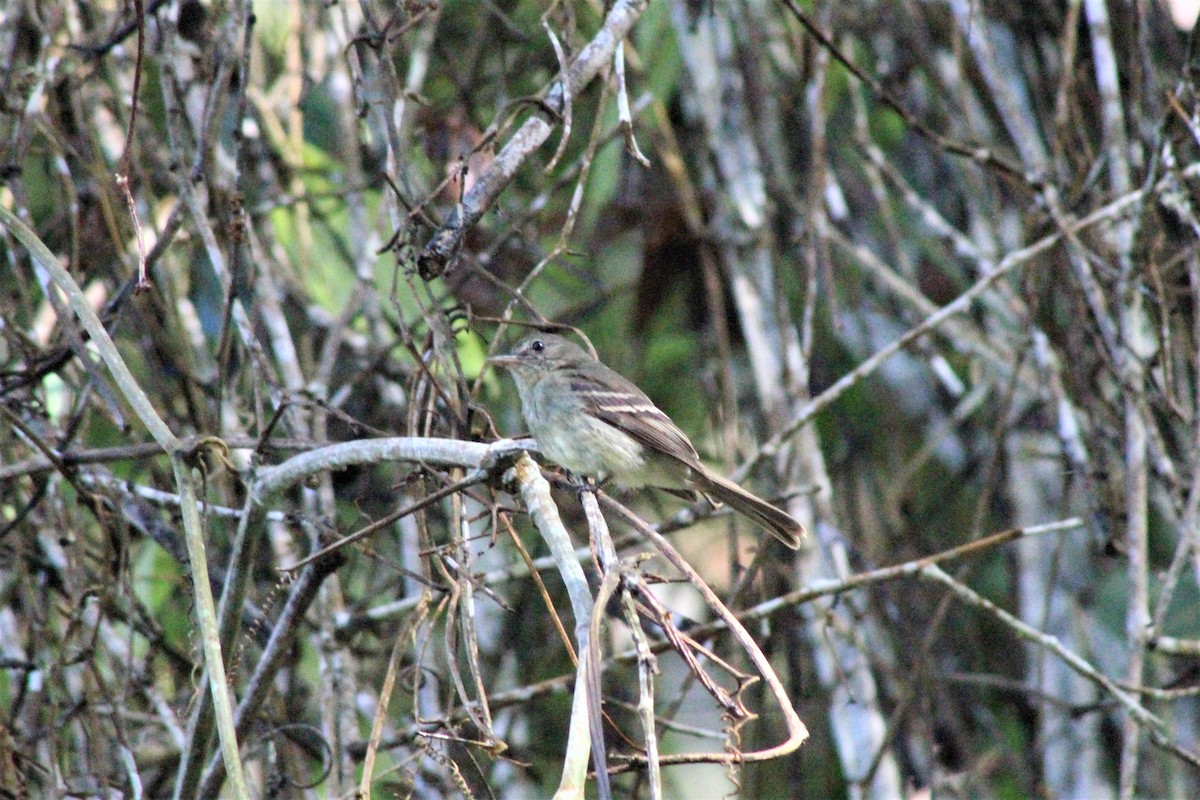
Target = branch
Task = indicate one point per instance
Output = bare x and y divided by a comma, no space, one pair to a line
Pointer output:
1155,727
797,732
535,492
206,611
440,452
444,244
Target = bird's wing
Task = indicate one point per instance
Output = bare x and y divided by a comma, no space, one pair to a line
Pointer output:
623,405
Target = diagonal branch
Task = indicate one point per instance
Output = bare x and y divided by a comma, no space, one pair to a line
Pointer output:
444,244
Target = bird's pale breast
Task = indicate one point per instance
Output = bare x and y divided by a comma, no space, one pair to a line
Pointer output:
578,441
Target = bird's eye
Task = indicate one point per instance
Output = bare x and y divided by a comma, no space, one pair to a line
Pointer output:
537,345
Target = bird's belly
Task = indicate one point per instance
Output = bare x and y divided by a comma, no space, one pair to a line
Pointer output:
587,446
593,448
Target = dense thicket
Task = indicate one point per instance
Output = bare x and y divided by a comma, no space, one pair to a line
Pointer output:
921,272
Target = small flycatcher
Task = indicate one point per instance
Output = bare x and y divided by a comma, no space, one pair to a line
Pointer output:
592,421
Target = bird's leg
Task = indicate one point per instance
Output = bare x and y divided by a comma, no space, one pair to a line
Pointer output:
587,484
580,483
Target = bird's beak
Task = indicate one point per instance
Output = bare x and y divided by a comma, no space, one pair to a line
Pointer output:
506,360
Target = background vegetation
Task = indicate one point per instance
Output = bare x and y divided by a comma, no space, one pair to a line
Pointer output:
924,272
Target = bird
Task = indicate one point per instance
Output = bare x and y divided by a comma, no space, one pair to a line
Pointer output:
594,422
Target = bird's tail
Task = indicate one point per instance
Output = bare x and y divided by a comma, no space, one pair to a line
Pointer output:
778,523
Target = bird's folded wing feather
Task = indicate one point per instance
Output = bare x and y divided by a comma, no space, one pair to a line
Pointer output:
627,408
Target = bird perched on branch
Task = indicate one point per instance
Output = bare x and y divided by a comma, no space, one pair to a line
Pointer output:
594,422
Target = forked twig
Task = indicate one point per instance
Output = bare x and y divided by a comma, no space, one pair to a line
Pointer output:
647,668
797,732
